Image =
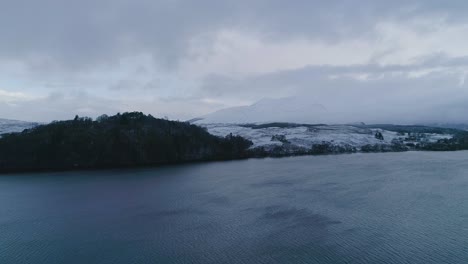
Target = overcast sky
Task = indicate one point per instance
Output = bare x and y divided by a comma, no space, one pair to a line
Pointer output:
392,60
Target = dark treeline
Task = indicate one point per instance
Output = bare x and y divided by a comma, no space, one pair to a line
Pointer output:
128,139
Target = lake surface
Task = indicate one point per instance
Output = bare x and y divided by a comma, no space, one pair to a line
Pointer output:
361,208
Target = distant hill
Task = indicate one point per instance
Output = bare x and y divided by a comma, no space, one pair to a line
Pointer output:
10,126
129,139
288,139
291,109
307,110
461,126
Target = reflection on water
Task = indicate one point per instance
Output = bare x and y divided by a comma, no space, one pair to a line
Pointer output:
360,208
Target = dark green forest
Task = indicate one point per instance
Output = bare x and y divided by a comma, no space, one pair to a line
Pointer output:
122,140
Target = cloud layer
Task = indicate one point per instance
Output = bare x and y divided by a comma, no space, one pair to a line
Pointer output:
405,60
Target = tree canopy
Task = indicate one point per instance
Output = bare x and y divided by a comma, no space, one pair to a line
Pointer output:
128,139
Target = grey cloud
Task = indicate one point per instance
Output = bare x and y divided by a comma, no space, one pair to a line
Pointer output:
285,81
79,34
136,85
60,106
57,106
59,39
125,85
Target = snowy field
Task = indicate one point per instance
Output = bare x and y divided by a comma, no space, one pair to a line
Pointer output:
306,136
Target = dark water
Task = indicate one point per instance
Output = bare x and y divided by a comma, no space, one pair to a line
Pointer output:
361,208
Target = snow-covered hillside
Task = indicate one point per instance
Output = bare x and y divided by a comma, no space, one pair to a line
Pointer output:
9,126
306,136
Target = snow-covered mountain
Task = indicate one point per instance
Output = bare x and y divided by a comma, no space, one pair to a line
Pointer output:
9,126
296,125
290,109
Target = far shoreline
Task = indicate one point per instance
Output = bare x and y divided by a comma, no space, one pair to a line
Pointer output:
200,162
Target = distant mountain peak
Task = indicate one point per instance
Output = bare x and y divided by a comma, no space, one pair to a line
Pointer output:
288,109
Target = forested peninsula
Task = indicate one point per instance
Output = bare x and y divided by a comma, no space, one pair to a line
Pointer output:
122,140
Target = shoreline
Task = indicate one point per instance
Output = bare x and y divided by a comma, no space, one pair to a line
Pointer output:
170,164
